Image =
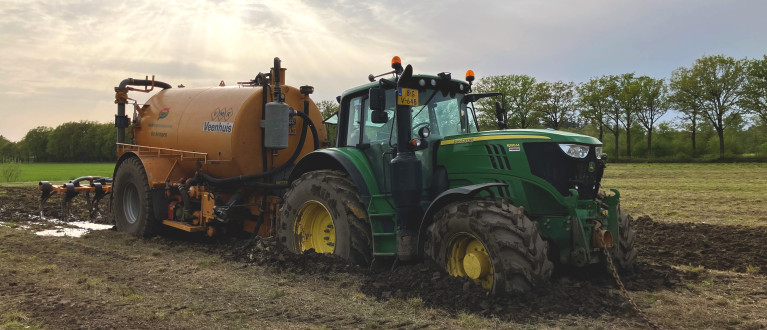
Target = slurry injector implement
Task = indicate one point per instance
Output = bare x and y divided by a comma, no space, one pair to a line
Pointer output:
98,186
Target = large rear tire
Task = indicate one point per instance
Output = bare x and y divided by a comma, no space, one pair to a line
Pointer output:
492,242
323,212
133,200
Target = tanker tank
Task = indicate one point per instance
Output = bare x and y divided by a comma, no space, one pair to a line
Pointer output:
224,124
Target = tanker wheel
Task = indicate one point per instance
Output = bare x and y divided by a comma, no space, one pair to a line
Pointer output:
323,211
623,253
491,242
132,199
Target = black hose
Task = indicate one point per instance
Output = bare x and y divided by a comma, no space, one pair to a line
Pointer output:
121,120
308,121
143,82
99,179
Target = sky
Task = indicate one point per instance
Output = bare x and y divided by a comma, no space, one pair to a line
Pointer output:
60,60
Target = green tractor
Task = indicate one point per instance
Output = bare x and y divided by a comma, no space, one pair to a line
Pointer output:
412,177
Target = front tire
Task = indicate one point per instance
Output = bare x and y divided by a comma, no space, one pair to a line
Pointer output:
323,212
624,254
492,242
132,199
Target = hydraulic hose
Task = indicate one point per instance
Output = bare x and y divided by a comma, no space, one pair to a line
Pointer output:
308,121
121,120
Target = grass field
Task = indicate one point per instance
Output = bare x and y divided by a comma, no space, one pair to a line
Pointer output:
35,172
728,194
703,193
690,276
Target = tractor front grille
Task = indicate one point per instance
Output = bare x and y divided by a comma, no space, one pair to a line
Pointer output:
550,163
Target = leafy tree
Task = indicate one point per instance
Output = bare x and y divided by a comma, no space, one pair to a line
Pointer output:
653,105
687,96
67,142
754,94
328,108
519,100
592,97
614,112
721,80
33,145
557,103
7,149
629,102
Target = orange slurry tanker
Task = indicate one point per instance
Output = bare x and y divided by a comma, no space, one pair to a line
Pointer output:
210,159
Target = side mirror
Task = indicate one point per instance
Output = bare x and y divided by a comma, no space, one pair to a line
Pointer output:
377,99
501,115
379,117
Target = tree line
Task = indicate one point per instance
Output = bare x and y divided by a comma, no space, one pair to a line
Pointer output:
717,97
719,105
84,141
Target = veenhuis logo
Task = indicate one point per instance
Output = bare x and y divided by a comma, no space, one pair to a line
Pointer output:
218,126
221,114
219,121
163,113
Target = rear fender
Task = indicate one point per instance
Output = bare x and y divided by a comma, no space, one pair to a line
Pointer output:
343,160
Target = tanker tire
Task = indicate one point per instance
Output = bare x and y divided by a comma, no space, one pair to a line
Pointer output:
338,194
132,200
517,252
624,254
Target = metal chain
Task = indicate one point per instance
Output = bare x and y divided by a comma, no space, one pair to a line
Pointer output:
626,293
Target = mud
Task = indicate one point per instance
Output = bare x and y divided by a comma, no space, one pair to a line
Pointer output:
590,292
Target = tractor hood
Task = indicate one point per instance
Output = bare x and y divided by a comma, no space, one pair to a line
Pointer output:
541,167
531,135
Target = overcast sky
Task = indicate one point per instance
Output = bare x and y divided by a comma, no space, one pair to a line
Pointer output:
60,60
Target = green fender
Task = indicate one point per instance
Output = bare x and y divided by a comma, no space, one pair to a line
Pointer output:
349,160
446,198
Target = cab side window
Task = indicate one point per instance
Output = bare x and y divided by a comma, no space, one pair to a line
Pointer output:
353,124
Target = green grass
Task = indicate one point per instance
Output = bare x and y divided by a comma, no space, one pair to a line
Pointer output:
728,194
62,171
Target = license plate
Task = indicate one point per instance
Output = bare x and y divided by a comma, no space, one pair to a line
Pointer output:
407,96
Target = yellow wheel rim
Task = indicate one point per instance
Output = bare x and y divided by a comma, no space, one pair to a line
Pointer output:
315,228
468,257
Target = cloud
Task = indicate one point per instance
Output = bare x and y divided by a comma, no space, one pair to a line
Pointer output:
87,47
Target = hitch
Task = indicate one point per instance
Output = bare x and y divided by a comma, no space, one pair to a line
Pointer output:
99,186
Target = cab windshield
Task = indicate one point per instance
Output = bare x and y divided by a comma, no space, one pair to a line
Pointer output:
445,115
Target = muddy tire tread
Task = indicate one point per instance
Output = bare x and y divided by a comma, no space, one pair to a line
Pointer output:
517,251
337,187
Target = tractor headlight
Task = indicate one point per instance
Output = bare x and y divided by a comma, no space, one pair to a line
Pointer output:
575,150
598,151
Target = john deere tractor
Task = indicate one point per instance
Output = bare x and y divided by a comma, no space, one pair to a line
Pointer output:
412,177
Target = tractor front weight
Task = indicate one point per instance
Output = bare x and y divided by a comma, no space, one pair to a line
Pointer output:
590,226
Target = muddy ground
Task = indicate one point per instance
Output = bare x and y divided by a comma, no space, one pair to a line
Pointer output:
671,259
